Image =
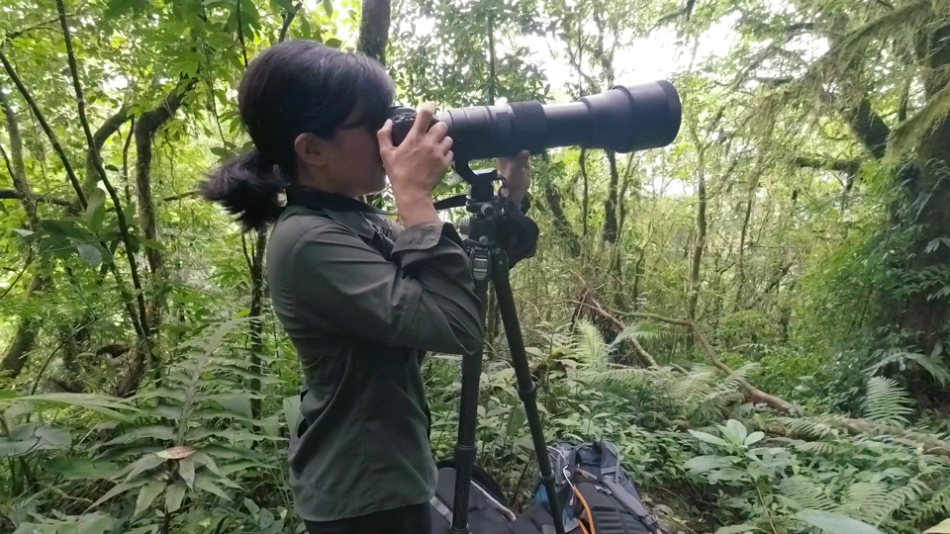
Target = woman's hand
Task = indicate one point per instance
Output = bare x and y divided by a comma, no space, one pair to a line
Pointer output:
416,166
517,174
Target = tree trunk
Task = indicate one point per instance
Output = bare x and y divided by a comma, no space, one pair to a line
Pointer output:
700,242
374,29
27,329
257,322
561,224
610,205
585,201
103,133
740,267
925,315
145,128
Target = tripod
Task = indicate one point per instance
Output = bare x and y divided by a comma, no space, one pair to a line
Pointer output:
490,265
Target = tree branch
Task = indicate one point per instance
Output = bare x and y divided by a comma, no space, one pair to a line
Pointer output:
54,140
288,18
10,194
753,393
106,130
847,166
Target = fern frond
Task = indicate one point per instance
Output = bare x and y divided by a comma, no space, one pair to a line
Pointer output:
806,494
886,402
824,448
589,346
900,499
865,501
810,427
937,506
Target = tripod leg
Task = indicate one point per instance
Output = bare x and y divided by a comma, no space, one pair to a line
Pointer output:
526,388
465,448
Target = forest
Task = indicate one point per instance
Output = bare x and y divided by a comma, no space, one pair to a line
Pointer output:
756,315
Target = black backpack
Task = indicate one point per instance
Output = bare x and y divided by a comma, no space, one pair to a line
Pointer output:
594,492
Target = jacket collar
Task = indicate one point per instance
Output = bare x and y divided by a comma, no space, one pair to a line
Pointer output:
344,210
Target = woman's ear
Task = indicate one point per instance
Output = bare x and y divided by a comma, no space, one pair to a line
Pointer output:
310,149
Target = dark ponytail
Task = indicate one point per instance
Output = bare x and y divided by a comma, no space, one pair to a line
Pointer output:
291,88
248,186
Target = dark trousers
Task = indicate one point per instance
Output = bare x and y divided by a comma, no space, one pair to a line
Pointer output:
413,519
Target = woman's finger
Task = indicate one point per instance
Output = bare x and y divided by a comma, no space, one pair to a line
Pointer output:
445,144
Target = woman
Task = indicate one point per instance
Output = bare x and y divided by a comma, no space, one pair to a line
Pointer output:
361,299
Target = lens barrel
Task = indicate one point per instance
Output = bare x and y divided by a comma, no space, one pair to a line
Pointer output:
622,119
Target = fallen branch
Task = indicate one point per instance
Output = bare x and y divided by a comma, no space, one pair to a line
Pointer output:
647,359
857,427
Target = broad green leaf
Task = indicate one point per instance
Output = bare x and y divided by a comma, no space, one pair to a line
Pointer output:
252,506
147,495
174,495
333,42
145,463
81,468
941,528
95,523
33,437
328,7
754,437
118,489
207,461
832,523
206,483
186,468
708,438
271,425
701,464
95,210
90,253
291,411
152,431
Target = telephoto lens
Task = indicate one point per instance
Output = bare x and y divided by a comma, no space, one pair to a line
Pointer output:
622,119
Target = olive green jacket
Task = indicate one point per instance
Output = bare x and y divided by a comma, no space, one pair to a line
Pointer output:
363,300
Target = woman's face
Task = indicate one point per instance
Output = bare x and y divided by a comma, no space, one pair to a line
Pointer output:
347,163
354,161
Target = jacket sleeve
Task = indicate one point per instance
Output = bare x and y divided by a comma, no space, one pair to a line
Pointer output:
520,235
424,299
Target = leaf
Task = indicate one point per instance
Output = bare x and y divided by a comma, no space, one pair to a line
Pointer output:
832,523
236,403
701,464
90,253
271,425
205,460
117,490
186,468
333,42
291,411
151,431
81,468
205,483
252,506
708,438
942,528
22,232
95,210
736,529
328,7
143,464
754,437
95,523
173,496
33,437
147,495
